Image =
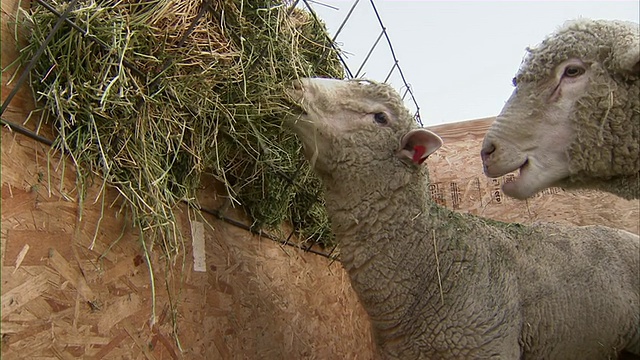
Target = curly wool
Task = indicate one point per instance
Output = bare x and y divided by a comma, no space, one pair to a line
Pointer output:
606,151
493,288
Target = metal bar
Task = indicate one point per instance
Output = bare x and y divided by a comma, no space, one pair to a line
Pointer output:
36,56
333,46
26,132
269,236
404,94
345,20
393,53
375,44
395,65
101,43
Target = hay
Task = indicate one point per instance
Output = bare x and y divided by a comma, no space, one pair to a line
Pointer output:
208,99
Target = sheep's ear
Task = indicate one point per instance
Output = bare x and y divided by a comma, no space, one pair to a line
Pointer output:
626,55
418,144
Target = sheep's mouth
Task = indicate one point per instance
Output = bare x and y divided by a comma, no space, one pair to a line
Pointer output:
303,114
298,110
523,169
532,177
516,187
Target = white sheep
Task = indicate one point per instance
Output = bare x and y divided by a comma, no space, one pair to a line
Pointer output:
573,119
442,285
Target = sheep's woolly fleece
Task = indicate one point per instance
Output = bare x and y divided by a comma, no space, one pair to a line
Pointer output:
442,285
607,120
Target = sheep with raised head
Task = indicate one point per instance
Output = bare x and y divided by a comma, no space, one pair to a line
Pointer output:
442,285
573,119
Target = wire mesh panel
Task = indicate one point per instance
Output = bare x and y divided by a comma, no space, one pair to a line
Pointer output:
372,55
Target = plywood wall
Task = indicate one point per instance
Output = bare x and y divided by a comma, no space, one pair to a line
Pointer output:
65,295
68,292
457,181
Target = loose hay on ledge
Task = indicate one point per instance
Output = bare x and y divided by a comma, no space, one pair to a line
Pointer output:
208,99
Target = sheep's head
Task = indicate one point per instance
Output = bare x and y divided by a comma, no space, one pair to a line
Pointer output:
574,111
349,123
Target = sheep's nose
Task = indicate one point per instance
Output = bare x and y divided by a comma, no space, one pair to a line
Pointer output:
296,90
297,85
487,150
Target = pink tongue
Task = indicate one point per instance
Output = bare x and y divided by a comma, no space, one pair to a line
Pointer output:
418,151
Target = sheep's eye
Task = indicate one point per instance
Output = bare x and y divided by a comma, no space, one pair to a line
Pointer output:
573,71
380,118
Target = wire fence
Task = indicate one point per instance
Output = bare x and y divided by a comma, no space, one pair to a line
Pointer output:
370,56
219,213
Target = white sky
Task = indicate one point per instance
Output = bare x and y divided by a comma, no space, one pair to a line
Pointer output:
458,56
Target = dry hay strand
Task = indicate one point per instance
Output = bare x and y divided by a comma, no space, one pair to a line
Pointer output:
181,89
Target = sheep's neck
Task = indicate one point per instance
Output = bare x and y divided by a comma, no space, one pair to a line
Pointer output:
376,227
627,187
607,145
375,198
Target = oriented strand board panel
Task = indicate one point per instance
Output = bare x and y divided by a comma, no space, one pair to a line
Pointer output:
69,292
458,182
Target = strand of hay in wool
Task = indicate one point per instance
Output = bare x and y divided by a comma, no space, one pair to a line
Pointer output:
435,250
604,118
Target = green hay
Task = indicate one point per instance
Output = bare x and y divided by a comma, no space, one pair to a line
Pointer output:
211,103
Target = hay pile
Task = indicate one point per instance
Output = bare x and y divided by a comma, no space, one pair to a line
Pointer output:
208,98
